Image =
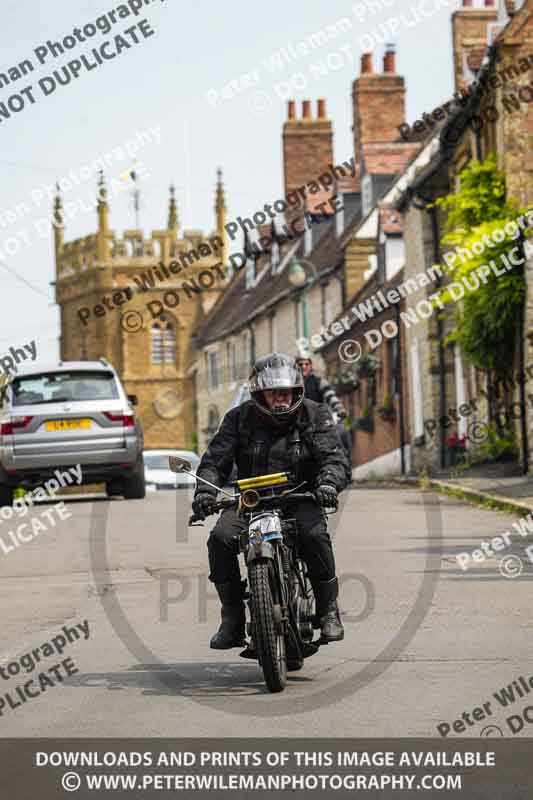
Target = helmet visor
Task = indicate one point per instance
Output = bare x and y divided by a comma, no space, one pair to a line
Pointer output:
281,376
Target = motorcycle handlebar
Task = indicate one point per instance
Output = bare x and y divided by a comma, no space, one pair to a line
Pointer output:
223,504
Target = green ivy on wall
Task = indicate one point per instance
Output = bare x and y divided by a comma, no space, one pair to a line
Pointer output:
485,319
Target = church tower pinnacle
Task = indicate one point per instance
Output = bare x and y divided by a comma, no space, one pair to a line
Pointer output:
58,222
173,211
220,209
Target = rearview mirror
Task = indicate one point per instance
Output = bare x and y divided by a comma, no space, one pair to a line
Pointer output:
178,464
133,400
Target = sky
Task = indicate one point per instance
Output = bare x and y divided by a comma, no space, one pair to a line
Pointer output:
188,81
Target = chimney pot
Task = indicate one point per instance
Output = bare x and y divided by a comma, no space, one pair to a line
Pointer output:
467,3
510,7
366,63
389,59
321,109
306,109
291,109
489,3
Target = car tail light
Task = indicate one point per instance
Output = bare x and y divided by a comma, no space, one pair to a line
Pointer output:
6,428
127,420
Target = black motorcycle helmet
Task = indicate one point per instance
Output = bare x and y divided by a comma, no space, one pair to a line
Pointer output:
276,371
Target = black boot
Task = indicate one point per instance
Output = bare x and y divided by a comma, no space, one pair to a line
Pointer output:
231,631
327,610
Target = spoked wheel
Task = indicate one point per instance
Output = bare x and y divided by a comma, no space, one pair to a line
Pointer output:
270,642
303,609
304,606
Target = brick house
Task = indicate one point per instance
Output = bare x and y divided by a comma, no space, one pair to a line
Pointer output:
366,356
489,45
262,310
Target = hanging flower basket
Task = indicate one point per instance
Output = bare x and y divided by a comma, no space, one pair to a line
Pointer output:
347,381
367,366
364,424
387,410
387,413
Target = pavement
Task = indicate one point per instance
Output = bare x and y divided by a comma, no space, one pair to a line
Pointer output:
424,642
501,483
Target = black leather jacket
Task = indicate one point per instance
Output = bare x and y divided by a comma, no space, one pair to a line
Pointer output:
309,447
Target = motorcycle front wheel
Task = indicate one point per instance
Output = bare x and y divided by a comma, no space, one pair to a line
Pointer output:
270,643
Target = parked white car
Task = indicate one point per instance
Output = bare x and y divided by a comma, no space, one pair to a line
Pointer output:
158,475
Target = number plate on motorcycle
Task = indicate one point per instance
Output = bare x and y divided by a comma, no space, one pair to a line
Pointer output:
270,523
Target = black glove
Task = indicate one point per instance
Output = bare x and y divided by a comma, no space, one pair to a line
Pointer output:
326,496
203,505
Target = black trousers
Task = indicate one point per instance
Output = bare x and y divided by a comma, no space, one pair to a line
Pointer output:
346,441
314,542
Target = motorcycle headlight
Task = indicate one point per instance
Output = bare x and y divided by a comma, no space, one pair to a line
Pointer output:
250,498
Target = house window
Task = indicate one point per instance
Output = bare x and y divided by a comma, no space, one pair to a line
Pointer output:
272,333
83,344
394,255
392,362
245,350
232,362
163,342
250,271
416,381
323,301
298,318
213,372
213,421
252,347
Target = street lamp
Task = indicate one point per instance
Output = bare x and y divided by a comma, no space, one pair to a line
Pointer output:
298,278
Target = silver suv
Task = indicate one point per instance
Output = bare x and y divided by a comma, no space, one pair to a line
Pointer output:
75,412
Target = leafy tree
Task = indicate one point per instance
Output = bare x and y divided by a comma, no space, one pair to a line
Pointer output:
486,317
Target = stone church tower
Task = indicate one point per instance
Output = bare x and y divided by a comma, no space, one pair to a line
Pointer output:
137,302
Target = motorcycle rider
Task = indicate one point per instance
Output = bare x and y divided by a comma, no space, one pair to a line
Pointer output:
276,431
319,390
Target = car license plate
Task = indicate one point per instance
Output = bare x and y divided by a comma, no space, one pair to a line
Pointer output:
67,424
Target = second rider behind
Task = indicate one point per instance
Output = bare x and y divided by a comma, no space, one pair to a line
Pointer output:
276,431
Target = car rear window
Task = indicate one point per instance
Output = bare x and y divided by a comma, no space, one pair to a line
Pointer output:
57,387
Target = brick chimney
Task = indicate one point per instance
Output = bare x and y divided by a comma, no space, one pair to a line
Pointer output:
469,37
378,102
307,145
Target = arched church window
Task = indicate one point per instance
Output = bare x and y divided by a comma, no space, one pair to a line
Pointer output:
163,342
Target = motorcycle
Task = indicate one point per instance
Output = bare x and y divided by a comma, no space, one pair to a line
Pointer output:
280,598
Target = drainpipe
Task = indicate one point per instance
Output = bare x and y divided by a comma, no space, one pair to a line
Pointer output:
440,325
521,363
522,384
440,333
399,375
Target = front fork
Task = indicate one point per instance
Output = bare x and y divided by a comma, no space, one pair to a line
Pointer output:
278,555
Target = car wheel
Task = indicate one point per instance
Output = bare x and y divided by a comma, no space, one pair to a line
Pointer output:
6,495
113,487
134,486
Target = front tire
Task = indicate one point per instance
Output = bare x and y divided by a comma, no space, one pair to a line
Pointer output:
269,642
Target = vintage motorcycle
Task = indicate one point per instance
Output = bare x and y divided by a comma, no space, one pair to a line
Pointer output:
280,597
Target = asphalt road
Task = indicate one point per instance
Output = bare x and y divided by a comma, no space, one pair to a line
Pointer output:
424,641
